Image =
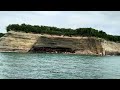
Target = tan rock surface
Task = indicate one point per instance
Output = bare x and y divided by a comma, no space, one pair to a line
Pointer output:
25,42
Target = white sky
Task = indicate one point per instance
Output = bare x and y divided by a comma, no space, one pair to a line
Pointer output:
108,21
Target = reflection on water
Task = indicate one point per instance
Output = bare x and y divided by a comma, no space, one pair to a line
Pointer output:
58,66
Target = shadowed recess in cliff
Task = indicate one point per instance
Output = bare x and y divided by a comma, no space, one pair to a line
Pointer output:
45,45
49,49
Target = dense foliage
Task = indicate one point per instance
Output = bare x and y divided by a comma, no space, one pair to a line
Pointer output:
62,31
1,34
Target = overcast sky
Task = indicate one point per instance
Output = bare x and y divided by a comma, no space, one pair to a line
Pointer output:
108,21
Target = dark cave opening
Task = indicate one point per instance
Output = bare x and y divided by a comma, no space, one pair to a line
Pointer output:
52,50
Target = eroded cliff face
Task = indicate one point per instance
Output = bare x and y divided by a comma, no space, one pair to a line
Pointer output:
79,45
17,42
110,48
28,42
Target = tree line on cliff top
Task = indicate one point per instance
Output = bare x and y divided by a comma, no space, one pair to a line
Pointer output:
62,31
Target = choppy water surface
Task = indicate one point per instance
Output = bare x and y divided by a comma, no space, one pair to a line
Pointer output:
58,66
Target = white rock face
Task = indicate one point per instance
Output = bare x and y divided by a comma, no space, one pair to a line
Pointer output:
111,47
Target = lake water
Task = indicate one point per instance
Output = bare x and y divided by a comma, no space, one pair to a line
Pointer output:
58,66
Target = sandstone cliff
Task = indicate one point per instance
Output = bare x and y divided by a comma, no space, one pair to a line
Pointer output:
17,42
28,42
